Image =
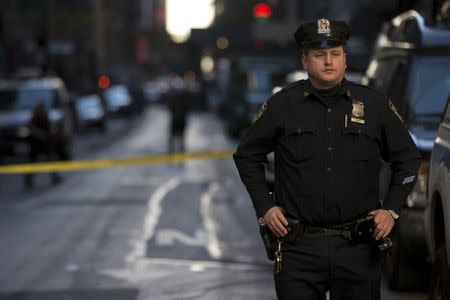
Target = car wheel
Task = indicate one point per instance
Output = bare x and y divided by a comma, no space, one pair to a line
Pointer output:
440,276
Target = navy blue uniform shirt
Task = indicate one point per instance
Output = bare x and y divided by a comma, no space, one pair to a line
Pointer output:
327,154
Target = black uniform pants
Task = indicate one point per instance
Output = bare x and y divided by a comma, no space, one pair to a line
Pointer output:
314,265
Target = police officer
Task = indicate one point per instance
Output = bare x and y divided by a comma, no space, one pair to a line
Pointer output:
329,136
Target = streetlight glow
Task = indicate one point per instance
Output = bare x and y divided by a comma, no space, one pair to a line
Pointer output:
182,16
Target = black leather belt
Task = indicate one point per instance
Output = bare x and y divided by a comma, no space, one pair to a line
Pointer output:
313,231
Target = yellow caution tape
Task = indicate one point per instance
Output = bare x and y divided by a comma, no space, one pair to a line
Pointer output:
78,165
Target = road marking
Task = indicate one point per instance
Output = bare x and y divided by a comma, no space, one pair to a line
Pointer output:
78,165
168,237
211,227
152,217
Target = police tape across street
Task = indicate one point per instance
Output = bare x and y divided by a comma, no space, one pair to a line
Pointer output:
79,165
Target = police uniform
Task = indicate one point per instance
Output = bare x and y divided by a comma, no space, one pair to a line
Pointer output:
328,153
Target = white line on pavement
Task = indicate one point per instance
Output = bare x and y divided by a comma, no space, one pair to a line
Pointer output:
152,218
213,246
168,237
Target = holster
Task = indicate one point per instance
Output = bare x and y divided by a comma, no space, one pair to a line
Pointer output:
362,231
295,228
269,240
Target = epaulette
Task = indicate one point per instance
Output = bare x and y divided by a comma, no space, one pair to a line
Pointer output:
288,87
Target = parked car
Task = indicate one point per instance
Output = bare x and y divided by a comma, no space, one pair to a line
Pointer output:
437,212
410,65
18,98
90,112
118,99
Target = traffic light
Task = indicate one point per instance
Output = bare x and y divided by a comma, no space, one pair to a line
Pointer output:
103,82
262,11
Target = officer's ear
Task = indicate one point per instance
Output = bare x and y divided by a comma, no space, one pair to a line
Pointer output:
304,59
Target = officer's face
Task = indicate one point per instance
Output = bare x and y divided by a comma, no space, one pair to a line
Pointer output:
325,67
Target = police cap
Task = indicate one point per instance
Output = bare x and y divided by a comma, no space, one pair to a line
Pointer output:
322,33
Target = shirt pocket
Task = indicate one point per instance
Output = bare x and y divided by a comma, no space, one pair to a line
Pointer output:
300,142
357,143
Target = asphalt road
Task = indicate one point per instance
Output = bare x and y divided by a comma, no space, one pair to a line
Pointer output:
181,231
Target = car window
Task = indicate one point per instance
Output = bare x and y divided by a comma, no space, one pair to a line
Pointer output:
429,86
25,98
29,98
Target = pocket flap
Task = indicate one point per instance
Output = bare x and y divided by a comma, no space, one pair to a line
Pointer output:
358,131
300,131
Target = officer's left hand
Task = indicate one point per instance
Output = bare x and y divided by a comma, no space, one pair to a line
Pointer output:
383,223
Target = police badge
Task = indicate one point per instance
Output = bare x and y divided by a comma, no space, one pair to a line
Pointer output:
358,112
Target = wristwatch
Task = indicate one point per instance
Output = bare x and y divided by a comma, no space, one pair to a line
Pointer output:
261,221
393,214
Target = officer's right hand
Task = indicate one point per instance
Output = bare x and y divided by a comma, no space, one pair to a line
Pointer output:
275,220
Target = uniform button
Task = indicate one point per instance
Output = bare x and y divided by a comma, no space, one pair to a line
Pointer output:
330,148
299,130
329,110
329,128
329,169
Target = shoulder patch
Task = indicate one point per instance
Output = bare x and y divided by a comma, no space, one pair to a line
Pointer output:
394,110
260,112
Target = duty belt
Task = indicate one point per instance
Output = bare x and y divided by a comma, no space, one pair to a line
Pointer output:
313,231
353,230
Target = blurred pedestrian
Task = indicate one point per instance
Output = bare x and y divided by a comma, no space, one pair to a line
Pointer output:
178,104
41,141
329,136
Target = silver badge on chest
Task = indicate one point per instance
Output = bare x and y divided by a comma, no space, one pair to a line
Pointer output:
358,112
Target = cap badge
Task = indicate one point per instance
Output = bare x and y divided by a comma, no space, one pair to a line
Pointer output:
323,26
358,112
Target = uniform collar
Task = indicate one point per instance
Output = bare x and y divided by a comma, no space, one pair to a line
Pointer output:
344,90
